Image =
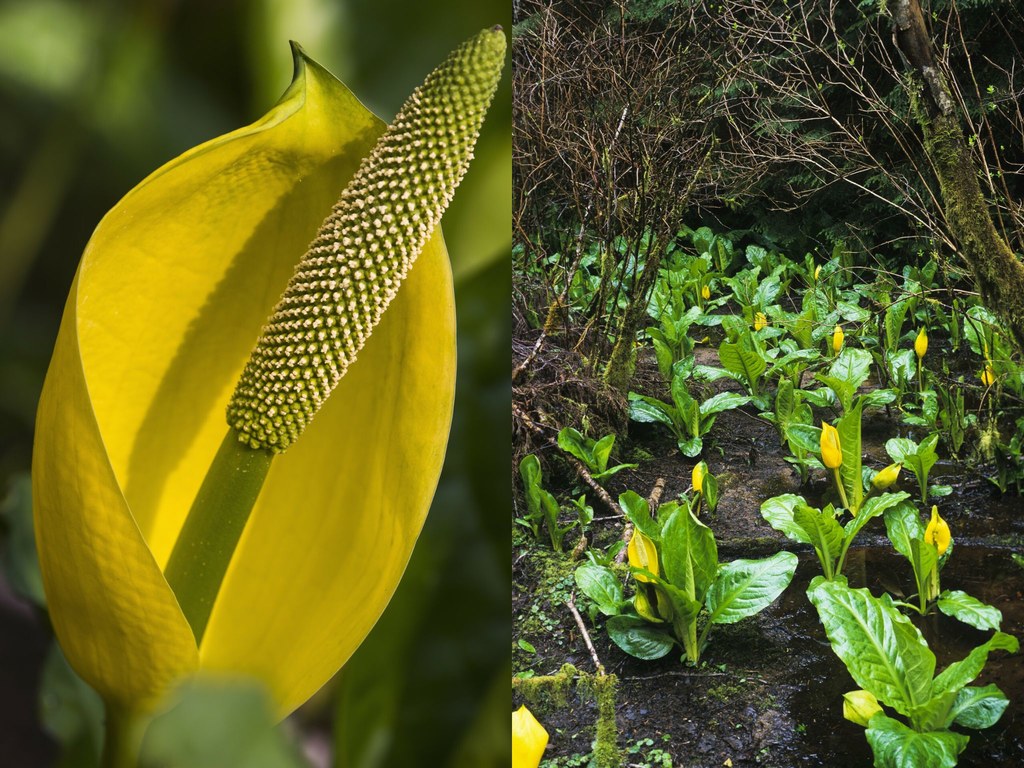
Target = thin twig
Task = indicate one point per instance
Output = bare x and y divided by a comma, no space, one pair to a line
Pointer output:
571,605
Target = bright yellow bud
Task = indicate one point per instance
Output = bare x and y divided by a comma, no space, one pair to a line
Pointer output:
528,739
860,706
921,343
886,477
760,321
697,478
705,292
817,272
831,448
642,554
837,339
937,532
988,376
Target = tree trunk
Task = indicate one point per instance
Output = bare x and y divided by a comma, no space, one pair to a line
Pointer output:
998,272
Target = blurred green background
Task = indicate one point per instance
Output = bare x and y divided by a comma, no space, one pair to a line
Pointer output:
94,96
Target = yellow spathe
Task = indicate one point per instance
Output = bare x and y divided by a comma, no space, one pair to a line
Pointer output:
170,296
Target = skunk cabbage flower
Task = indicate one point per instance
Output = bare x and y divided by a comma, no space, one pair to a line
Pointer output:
760,321
837,339
817,273
642,553
697,476
885,479
528,739
705,292
860,706
937,532
170,296
831,448
988,376
921,344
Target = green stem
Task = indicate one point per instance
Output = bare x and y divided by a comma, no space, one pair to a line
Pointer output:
842,491
214,525
123,731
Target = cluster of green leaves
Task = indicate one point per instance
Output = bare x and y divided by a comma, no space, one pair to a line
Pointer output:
543,509
889,659
681,589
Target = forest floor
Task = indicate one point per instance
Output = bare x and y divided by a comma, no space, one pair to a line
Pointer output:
768,691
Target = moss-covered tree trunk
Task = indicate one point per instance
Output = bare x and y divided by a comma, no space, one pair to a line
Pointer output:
622,362
998,272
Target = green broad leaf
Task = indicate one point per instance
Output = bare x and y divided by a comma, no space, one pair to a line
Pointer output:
882,650
969,610
742,362
802,328
691,447
785,404
711,373
963,672
825,533
572,442
843,392
710,491
683,606
526,645
872,508
821,398
779,514
806,436
850,472
745,587
924,558
933,715
903,367
903,525
529,470
602,451
663,354
978,708
877,398
723,401
852,367
689,554
649,410
894,317
899,448
600,585
638,511
896,746
638,637
702,239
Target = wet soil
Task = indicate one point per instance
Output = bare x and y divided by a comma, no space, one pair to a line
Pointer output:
769,689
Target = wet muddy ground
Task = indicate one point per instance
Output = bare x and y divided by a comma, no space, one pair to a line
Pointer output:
769,689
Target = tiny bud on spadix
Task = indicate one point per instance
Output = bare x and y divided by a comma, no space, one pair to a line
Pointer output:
365,248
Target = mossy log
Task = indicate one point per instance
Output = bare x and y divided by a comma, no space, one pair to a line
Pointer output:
996,269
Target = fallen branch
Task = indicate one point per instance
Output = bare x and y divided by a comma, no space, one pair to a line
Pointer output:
571,605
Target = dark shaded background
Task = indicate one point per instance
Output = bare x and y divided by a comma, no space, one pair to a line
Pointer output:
94,96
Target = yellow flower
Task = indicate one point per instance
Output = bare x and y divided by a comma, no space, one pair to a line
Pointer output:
831,448
988,376
172,291
837,339
528,739
760,321
642,553
937,532
697,476
886,477
817,273
860,706
705,292
921,343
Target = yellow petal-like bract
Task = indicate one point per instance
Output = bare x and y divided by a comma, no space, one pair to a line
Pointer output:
697,476
642,554
885,479
528,739
921,344
860,706
837,339
937,532
171,293
760,321
831,448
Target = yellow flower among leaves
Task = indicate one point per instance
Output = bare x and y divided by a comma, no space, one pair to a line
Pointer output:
529,738
937,532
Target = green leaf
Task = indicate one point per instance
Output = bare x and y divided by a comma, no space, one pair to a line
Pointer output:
649,410
636,508
689,554
903,525
897,746
575,444
638,637
723,401
806,436
963,672
745,587
529,470
600,585
969,610
603,451
691,447
825,533
872,508
884,653
779,513
899,448
850,471
852,367
978,707
743,362
924,558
